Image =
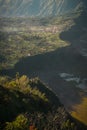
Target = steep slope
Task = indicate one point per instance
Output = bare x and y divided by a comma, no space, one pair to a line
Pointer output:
65,69
30,101
24,95
38,8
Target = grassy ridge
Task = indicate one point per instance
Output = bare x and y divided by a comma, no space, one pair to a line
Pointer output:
26,103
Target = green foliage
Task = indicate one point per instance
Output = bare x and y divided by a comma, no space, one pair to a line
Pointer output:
19,96
22,41
20,123
23,84
3,80
52,121
67,125
30,102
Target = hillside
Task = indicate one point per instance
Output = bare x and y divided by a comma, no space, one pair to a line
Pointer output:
54,50
25,101
45,39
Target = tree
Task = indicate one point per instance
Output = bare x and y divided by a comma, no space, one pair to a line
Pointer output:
20,123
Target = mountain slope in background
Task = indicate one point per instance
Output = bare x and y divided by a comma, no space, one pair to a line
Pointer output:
39,8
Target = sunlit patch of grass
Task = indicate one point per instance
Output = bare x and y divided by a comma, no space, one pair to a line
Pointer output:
20,45
80,111
18,39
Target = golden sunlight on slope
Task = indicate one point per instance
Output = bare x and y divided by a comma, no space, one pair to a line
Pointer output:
80,111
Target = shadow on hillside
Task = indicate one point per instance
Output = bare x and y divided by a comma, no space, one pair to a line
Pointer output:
47,66
76,33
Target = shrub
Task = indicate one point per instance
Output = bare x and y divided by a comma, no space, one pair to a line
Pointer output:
20,123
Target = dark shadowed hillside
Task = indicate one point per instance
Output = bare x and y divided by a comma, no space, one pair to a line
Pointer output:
28,102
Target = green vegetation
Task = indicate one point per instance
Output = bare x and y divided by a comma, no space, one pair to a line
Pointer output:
18,39
26,103
20,123
26,44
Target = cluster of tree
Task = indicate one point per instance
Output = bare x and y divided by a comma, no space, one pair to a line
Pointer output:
40,121
27,104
